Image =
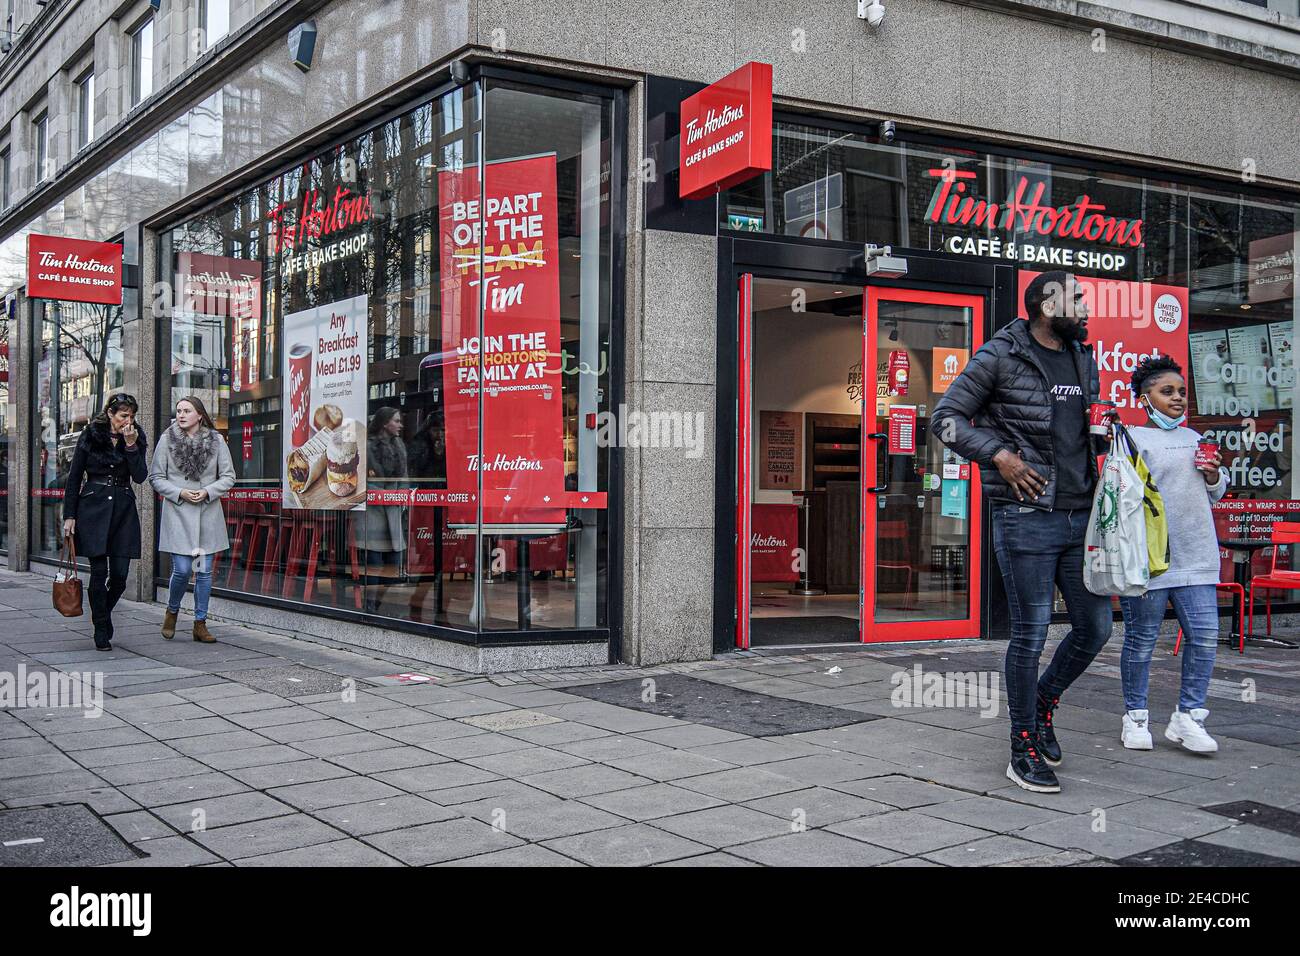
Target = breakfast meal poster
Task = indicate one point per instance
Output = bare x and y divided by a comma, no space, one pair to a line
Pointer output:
324,407
517,356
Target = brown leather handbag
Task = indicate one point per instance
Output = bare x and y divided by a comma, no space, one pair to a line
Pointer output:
67,586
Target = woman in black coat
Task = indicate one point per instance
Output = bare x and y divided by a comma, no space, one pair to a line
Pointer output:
99,509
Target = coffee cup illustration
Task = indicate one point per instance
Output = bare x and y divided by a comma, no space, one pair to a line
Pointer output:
300,356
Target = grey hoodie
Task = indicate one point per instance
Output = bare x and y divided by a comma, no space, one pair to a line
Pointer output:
1193,543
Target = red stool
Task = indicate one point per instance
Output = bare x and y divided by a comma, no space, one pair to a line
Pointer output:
1231,587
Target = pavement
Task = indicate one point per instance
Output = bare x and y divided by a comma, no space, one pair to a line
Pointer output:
270,749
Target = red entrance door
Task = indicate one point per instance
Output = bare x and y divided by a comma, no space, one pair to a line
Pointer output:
920,501
919,531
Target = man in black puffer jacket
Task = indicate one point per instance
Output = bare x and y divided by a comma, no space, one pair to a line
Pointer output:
1020,410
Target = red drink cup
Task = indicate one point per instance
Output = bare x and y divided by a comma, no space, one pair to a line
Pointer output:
299,394
1098,423
1206,449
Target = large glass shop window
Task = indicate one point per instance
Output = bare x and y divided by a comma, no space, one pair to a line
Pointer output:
77,364
331,321
4,427
1206,276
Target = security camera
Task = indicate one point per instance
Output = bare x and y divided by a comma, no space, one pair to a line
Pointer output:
888,131
873,11
6,45
460,72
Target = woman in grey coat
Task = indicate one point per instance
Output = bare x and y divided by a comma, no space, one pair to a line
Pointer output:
191,469
385,535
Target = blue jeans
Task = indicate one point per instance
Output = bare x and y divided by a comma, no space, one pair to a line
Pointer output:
182,565
1197,609
1036,550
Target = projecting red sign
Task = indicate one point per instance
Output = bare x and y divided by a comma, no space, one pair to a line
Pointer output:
726,132
74,270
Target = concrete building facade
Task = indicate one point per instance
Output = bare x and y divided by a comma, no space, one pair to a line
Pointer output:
1185,92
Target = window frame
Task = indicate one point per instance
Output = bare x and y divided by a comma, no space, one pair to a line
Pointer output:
139,55
610,633
85,84
41,144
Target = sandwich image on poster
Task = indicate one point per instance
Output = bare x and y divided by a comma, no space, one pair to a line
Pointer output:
324,407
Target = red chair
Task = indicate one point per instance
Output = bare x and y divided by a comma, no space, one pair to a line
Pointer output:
1283,533
897,531
1231,587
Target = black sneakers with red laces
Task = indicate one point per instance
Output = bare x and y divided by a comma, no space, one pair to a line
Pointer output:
1027,768
1051,750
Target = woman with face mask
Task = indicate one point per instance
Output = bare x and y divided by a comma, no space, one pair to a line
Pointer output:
99,510
1188,490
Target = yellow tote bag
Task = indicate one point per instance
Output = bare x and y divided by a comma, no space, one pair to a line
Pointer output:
1153,509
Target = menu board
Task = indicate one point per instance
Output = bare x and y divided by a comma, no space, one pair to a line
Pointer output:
780,450
1252,361
1279,337
1209,354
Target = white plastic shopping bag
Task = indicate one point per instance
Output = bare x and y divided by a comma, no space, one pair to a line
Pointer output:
1115,551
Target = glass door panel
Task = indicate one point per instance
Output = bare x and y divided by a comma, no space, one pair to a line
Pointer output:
921,515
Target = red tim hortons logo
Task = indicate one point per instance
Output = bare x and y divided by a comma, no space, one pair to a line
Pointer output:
1025,211
343,210
75,270
726,132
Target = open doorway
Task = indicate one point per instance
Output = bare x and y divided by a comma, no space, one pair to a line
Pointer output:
838,512
806,423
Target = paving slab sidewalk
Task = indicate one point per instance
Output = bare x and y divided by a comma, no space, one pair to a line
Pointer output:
273,750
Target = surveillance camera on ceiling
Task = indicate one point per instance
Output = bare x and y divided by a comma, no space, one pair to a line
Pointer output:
873,11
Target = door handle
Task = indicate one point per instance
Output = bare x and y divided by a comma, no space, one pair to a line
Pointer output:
878,489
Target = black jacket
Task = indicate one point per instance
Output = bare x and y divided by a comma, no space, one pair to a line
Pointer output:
1001,400
102,528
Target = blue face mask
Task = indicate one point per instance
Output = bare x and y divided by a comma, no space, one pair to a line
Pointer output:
1163,420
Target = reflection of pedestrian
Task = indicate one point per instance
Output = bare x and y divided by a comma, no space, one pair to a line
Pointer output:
427,451
385,537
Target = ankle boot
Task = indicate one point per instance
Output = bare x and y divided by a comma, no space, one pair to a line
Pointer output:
169,624
202,634
103,623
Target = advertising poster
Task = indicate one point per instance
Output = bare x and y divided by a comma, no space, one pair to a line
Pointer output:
324,407
947,365
1126,321
773,538
780,450
902,429
517,351
954,498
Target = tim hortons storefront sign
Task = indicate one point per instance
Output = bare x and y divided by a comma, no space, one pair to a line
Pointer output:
75,270
1025,214
726,132
307,233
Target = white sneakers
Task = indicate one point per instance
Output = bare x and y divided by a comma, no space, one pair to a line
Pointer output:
1185,727
1188,729
1135,734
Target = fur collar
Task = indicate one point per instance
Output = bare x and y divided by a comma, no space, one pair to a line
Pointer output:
191,454
99,435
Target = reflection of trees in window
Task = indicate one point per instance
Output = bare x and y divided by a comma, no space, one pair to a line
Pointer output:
90,334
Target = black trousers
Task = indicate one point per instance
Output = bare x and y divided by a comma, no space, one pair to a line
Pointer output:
107,584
